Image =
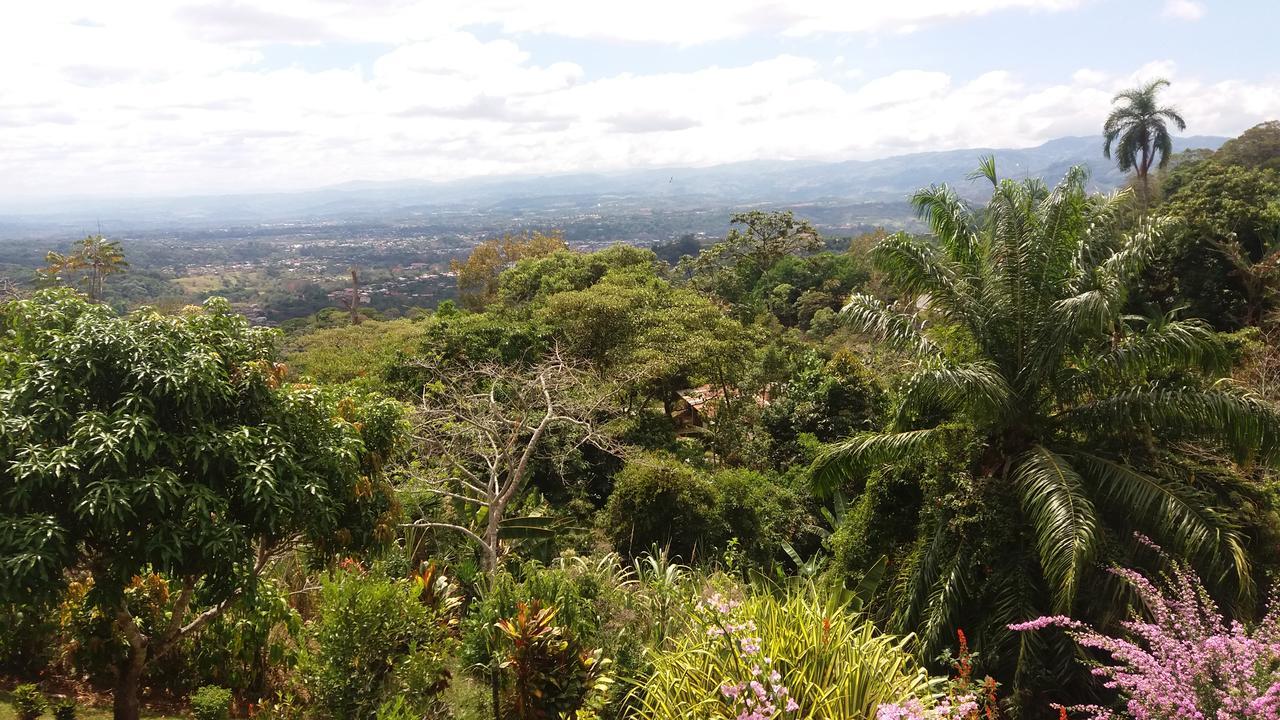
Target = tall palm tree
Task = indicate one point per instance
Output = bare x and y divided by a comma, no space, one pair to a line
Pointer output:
101,257
1138,132
1071,417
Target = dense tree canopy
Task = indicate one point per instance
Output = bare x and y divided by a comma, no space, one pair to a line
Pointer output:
478,274
1257,147
1222,260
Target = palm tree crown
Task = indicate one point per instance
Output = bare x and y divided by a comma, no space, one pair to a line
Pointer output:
1137,130
1074,412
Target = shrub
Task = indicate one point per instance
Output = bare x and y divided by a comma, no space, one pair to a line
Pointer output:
375,639
28,638
548,674
64,709
1183,659
397,709
600,603
575,596
796,656
759,513
659,501
253,642
28,702
211,703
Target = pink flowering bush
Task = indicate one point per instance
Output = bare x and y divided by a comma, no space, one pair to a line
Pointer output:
1182,660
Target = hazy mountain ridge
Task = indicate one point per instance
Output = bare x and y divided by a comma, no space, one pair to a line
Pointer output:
888,179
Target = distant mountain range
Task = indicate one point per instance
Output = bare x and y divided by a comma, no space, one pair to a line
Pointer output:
887,180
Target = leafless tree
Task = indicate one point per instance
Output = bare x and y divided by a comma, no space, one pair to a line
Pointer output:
9,290
482,428
352,299
1260,370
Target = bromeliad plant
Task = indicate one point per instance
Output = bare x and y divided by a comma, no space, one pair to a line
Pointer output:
763,657
1182,659
1071,413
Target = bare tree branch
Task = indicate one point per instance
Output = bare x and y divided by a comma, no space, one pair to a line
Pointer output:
486,426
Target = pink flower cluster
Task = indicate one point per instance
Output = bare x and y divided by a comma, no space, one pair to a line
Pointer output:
963,707
762,696
1183,661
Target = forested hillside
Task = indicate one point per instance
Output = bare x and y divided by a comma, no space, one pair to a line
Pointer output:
1019,464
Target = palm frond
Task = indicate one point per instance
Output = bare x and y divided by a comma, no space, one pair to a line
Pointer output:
1172,115
1163,145
921,572
947,599
1016,598
986,169
1174,345
950,220
1239,422
915,268
1175,513
978,387
867,314
1065,520
853,457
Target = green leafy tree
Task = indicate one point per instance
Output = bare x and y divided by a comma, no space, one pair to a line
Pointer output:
1137,131
478,275
1257,147
659,501
756,242
1226,258
1069,415
649,335
148,443
351,353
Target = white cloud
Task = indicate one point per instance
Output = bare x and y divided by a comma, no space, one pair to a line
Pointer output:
117,96
1184,9
668,22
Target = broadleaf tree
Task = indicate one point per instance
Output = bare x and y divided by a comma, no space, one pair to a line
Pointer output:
149,443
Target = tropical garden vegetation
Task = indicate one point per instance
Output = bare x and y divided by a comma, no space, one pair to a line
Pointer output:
1019,466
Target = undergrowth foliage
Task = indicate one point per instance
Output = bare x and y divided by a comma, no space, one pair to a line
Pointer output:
374,639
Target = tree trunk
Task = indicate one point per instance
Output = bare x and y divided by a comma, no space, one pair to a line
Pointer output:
493,524
126,698
355,296
126,703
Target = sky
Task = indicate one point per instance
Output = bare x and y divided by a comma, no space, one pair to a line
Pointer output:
176,97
